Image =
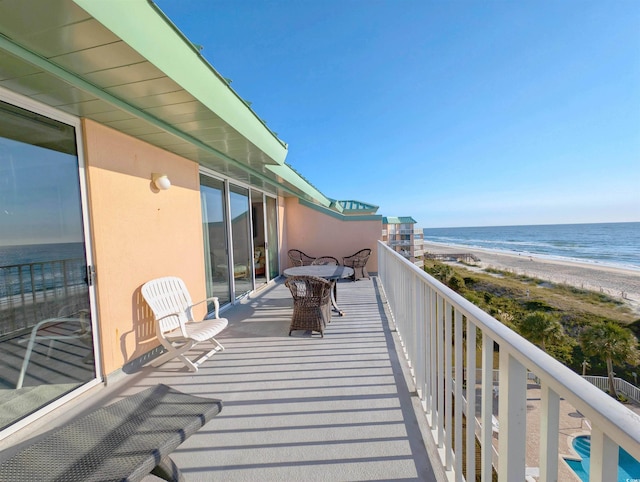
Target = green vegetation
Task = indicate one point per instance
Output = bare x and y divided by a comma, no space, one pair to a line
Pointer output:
615,344
571,324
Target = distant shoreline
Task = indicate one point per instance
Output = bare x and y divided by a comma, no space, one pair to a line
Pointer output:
617,282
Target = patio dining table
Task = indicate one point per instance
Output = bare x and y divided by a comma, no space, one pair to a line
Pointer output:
328,272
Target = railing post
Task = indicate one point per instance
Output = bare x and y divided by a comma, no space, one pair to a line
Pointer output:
420,340
459,347
448,388
471,401
440,368
512,416
487,408
549,428
433,353
426,385
604,457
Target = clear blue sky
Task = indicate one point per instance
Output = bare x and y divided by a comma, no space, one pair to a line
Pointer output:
458,113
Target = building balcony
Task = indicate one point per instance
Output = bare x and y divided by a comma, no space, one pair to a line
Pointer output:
374,399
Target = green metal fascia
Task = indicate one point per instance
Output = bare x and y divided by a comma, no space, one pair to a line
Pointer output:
341,217
143,26
398,220
293,178
336,205
72,79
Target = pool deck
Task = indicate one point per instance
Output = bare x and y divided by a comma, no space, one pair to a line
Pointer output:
572,424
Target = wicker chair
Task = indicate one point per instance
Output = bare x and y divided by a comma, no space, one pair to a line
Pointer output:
298,258
326,260
311,303
358,262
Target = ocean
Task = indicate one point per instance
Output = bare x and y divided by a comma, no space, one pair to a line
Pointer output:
35,267
610,244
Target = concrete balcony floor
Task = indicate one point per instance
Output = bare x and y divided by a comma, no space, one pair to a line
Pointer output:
299,408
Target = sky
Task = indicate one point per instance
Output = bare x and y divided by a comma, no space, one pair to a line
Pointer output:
457,113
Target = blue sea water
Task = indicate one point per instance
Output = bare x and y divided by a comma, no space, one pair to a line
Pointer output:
612,244
34,267
39,253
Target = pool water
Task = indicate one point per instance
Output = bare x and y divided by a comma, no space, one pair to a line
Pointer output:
628,467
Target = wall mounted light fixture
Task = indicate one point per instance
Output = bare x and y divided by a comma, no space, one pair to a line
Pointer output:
160,181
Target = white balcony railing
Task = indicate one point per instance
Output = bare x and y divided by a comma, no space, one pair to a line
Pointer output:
439,330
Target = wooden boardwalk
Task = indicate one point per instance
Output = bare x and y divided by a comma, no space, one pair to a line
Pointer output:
466,257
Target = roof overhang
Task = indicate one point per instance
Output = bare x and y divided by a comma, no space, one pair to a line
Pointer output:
124,64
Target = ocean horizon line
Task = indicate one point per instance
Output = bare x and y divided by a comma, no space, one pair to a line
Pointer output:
528,225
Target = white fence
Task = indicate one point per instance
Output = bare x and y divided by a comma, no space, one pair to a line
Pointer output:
441,333
621,386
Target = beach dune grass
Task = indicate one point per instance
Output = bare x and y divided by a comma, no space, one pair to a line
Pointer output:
511,297
533,294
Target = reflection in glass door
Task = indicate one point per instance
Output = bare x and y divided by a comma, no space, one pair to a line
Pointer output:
242,259
46,341
259,239
272,238
214,227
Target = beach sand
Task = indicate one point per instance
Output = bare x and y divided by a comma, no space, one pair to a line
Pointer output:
616,282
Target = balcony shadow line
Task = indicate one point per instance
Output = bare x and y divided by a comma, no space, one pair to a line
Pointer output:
295,463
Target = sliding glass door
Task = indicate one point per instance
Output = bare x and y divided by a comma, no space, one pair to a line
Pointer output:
272,237
214,227
240,236
46,341
259,238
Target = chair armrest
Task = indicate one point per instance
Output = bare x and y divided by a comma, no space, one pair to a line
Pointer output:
169,316
216,305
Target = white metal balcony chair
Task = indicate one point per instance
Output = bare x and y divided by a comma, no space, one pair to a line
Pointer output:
176,328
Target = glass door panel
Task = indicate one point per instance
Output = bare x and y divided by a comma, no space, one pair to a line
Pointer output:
214,227
272,237
259,239
46,341
242,257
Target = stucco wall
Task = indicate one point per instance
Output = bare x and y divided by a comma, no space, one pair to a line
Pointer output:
138,233
319,234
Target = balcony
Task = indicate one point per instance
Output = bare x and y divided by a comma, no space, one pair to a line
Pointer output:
374,399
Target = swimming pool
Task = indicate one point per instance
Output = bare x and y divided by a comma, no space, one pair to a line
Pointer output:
628,467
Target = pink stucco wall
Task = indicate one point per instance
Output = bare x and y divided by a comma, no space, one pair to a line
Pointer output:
319,234
138,233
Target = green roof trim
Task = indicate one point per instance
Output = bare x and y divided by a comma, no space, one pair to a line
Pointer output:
286,173
398,220
353,207
137,21
341,217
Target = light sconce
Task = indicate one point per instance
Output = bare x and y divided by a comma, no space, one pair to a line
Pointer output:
160,181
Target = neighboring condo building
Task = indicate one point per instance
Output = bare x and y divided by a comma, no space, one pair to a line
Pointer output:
405,237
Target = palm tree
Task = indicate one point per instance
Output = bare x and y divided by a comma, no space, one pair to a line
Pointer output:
613,343
546,331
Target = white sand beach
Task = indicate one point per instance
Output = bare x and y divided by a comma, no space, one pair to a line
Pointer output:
616,282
